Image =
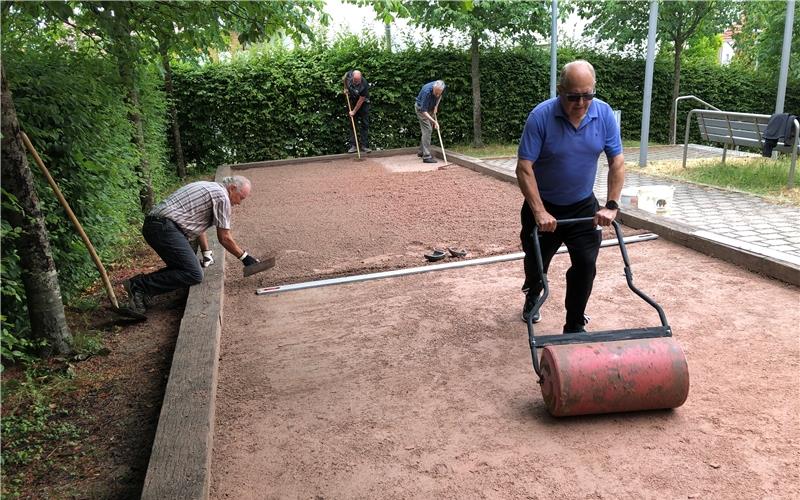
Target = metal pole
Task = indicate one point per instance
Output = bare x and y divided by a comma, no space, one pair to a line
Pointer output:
388,36
785,54
437,267
648,82
553,47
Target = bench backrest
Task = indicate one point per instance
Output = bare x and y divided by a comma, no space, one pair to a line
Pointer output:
735,129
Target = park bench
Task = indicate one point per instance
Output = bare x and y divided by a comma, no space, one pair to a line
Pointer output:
738,129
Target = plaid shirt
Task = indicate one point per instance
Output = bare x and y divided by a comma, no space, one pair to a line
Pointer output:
195,207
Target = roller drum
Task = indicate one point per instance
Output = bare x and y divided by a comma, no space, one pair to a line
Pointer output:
617,376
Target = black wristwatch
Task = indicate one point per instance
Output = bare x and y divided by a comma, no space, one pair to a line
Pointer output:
612,205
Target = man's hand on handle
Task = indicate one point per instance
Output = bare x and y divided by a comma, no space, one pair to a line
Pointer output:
605,216
546,222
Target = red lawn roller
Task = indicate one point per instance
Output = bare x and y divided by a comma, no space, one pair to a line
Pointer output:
608,371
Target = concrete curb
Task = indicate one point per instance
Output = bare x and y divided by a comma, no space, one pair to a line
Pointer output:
677,232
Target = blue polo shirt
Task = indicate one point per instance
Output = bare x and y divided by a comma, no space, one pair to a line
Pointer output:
565,158
426,100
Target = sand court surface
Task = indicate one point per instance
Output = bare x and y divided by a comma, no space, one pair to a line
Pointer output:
422,386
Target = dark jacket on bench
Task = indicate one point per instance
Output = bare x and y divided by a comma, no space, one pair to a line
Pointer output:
780,126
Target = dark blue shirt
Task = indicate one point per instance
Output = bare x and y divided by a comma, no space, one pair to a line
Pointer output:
565,158
426,100
356,91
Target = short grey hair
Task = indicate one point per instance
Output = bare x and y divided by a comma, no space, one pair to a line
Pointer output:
563,79
236,180
438,84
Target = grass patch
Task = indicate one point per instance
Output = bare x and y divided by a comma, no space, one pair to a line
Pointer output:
762,176
487,151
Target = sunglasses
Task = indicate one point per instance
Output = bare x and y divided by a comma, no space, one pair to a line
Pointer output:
578,97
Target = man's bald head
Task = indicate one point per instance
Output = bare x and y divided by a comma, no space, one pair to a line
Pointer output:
576,73
356,76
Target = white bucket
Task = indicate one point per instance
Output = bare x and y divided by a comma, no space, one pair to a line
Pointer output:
630,197
656,199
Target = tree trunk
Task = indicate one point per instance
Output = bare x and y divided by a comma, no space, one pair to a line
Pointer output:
676,88
173,112
387,33
39,275
476,92
125,53
146,197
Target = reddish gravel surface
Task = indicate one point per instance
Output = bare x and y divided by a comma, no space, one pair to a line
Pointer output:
422,386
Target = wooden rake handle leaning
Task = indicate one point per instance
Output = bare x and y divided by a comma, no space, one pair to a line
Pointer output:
352,121
439,132
109,289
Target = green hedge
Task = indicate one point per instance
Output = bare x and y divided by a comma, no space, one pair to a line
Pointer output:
289,104
71,106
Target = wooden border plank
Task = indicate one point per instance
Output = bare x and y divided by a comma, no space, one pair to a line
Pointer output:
296,161
180,460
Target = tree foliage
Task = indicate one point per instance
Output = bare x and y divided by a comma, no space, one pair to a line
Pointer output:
759,37
480,20
625,24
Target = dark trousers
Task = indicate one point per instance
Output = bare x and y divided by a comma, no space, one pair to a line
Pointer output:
183,268
583,243
361,119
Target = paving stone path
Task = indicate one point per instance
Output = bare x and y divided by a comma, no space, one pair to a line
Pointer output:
743,220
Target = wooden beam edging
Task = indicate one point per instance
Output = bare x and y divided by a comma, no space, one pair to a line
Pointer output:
294,161
180,460
676,232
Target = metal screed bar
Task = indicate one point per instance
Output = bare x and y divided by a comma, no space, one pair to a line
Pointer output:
436,267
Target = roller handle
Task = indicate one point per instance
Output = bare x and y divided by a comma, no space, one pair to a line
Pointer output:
546,289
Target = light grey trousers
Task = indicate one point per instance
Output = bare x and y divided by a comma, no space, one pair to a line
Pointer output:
426,128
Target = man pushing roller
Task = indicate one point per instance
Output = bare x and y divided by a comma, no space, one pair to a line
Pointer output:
556,168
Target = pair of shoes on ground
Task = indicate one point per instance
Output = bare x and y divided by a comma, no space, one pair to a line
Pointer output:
137,299
438,254
363,150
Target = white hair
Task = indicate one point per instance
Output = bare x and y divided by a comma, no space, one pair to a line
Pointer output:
438,84
236,180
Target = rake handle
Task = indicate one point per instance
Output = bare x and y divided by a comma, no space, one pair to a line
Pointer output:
75,222
352,121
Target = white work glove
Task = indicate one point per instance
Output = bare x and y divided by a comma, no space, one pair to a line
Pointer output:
207,259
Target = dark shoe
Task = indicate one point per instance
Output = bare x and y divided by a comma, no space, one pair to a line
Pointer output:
455,252
136,297
578,327
352,150
528,307
436,255
366,150
429,159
